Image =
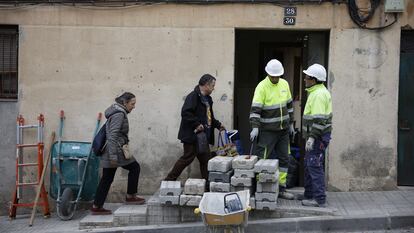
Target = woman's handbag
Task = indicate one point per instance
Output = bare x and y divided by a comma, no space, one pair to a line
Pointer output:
125,150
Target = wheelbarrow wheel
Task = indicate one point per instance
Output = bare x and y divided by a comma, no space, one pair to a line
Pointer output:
65,207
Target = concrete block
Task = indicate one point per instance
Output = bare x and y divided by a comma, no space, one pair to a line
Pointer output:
170,188
268,177
236,181
244,162
219,187
220,176
96,221
267,187
244,173
252,202
169,200
219,164
270,197
187,215
154,219
190,200
130,215
241,188
195,186
267,165
266,205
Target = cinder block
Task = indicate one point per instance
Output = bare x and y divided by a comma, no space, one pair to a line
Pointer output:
169,200
244,173
266,205
170,188
268,177
219,187
252,202
190,200
241,188
267,187
130,215
220,176
244,162
195,186
236,181
267,165
219,164
270,197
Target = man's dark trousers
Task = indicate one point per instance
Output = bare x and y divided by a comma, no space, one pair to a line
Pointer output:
314,170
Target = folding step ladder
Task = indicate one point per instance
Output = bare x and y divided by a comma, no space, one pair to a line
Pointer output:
20,165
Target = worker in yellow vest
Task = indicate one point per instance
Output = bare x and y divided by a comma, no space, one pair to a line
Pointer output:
270,119
317,127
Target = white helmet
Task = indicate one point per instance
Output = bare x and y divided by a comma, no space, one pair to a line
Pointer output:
274,68
317,71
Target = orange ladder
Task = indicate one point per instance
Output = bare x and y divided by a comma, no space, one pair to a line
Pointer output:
17,195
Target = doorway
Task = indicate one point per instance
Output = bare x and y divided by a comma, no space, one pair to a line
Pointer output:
295,50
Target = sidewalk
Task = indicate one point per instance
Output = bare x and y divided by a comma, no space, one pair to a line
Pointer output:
346,211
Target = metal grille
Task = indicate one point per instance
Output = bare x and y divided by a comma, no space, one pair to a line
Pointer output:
8,61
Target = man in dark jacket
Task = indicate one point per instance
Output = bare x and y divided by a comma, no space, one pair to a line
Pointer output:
196,116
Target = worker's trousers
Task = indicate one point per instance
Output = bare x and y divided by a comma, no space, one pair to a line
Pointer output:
277,141
315,171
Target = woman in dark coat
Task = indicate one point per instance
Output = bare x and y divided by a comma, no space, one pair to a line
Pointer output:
116,154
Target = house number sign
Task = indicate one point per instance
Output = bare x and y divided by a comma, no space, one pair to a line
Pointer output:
290,13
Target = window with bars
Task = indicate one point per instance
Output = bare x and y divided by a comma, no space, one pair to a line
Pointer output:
9,36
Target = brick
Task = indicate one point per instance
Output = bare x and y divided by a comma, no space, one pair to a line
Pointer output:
195,186
244,162
169,200
235,181
267,187
244,173
220,164
267,166
190,200
268,177
220,176
270,197
170,188
219,187
266,205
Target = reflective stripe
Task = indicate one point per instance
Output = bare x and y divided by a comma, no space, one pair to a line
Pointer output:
317,126
290,110
283,170
254,115
290,101
311,117
276,106
258,105
273,120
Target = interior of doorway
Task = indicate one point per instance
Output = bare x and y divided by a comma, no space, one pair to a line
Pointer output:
295,50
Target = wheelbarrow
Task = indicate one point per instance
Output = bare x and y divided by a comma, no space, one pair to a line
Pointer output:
74,173
225,212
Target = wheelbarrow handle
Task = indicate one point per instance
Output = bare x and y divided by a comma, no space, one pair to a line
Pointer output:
99,116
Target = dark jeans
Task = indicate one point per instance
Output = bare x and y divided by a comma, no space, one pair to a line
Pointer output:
108,175
190,152
314,170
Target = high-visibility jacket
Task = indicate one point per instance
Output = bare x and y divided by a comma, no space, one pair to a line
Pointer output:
272,105
317,116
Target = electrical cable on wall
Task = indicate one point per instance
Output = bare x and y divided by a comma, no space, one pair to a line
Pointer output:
362,20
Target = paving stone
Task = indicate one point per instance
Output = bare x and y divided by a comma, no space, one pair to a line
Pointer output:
267,165
244,162
187,214
252,202
169,200
219,187
268,177
170,188
271,197
190,200
219,164
267,187
241,188
236,181
195,186
96,221
266,205
220,176
244,173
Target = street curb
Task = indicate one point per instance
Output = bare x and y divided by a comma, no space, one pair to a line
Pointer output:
318,224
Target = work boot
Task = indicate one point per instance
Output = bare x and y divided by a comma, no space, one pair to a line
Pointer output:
313,203
302,196
135,200
100,211
286,195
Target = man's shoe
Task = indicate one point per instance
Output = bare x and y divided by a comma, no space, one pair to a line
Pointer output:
302,196
100,211
286,195
135,200
313,203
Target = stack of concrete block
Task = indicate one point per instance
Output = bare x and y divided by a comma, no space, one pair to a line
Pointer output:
193,192
170,192
220,172
243,178
267,188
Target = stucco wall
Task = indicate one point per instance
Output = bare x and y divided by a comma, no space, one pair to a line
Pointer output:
78,59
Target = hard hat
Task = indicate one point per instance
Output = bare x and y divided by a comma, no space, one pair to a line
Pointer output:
274,68
317,71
